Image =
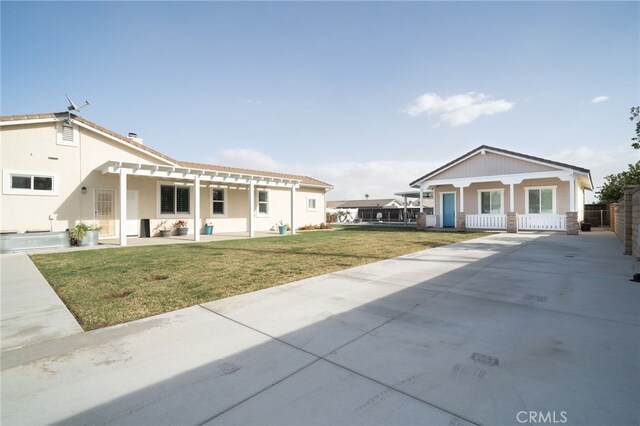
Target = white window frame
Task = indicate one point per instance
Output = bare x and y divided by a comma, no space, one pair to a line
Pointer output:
554,203
257,194
61,141
7,189
480,191
159,214
312,209
224,203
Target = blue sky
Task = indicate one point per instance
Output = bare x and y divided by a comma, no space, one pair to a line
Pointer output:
365,95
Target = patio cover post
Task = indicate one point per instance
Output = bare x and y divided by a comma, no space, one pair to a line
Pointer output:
123,207
293,208
251,209
405,210
196,208
461,198
421,202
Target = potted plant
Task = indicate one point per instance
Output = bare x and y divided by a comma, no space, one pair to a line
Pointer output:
208,228
181,227
163,229
85,235
282,227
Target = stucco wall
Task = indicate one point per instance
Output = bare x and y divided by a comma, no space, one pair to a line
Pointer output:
34,148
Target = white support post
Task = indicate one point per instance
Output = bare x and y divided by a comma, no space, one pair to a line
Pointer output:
251,209
421,202
461,199
196,208
123,208
404,214
572,194
293,210
512,200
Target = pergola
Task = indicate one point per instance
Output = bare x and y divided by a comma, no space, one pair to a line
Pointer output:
124,169
421,194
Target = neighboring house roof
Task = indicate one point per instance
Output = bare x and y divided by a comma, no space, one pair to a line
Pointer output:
304,180
360,204
501,151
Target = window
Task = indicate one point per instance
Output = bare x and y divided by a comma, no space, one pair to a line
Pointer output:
263,202
20,182
29,183
312,204
174,199
541,200
491,202
218,197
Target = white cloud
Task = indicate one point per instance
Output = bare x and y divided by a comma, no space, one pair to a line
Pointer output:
351,179
599,99
379,179
458,110
601,162
245,158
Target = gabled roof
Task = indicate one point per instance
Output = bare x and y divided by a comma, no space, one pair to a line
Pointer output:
500,151
360,204
304,180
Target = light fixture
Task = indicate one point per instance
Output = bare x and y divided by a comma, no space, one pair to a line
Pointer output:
84,190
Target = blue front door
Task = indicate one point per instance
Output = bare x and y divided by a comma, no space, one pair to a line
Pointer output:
449,210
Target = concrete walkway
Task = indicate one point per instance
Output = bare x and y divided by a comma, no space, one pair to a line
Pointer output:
477,332
31,311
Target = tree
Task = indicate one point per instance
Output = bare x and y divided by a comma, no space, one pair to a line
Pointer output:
366,196
635,116
613,187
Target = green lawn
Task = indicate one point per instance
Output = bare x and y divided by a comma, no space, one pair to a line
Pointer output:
112,286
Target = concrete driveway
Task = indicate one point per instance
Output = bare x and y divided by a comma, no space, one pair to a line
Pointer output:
490,331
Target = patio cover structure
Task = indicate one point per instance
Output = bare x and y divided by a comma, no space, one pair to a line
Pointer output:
196,176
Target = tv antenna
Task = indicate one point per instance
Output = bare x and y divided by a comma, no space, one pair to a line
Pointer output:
73,107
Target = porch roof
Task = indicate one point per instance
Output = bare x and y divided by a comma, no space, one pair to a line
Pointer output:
189,173
562,170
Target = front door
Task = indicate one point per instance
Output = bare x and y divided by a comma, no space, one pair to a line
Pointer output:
449,210
133,221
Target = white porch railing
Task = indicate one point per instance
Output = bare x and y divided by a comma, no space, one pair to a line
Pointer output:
546,222
486,221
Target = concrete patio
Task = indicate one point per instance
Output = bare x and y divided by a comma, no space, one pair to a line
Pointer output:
477,332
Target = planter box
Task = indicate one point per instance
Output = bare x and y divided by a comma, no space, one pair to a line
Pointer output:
90,239
165,233
208,229
182,231
282,229
31,241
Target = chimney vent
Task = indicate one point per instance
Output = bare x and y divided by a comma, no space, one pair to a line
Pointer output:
134,138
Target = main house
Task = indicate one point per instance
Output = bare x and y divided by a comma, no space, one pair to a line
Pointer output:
492,188
59,169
